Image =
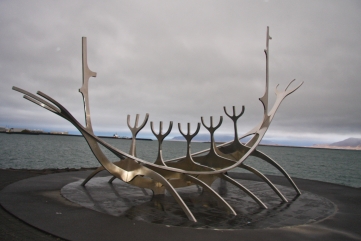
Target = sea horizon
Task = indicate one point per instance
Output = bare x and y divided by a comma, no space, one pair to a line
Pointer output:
57,151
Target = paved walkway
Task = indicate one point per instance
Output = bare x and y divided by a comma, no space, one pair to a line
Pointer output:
12,228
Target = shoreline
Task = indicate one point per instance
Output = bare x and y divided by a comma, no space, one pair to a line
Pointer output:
73,135
48,170
323,147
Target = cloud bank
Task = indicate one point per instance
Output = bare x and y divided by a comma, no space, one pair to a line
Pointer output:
179,60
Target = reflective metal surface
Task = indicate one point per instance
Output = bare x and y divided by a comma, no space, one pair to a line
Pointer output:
201,168
122,200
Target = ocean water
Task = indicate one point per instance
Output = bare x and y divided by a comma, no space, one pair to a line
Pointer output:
46,151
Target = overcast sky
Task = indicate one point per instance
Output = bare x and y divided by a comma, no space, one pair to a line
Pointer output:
180,60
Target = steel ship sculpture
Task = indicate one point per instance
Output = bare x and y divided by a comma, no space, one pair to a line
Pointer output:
200,168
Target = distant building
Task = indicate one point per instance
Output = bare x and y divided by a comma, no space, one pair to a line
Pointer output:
21,130
15,130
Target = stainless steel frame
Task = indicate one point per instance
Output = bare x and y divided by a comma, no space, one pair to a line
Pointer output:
192,169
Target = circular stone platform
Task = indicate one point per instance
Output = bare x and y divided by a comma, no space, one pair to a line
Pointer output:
122,199
38,201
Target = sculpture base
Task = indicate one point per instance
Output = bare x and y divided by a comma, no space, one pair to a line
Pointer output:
38,202
122,199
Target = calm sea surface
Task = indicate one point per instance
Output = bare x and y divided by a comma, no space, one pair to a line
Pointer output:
43,151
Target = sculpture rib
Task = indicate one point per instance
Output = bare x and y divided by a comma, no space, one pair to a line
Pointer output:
265,179
220,200
266,158
243,188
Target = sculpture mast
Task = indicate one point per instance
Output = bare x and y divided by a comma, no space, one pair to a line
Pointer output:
87,73
264,98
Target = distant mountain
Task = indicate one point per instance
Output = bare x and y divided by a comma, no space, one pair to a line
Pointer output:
352,142
349,143
218,138
206,138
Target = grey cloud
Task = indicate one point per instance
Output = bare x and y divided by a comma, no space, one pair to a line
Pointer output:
179,60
